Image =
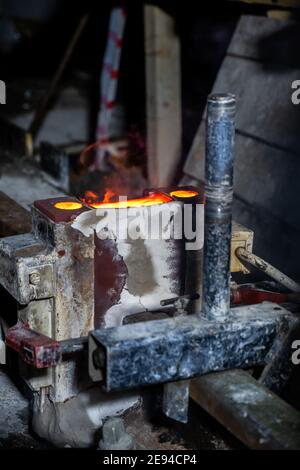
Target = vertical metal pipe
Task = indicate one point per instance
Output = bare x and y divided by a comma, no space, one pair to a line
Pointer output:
220,128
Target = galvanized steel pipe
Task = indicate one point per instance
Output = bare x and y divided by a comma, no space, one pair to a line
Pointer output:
220,129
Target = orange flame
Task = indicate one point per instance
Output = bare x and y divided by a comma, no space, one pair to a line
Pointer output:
90,197
109,194
91,194
151,200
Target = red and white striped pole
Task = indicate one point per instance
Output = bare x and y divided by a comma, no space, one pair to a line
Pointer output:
109,81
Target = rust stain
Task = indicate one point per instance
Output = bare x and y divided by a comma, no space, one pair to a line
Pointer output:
110,277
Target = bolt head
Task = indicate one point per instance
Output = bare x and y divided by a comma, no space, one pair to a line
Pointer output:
34,278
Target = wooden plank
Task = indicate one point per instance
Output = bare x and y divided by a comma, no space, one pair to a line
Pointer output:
264,176
14,219
256,416
264,107
265,111
266,40
163,84
266,195
268,178
267,166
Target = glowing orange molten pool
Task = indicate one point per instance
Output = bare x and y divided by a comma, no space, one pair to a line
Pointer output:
151,200
184,193
68,205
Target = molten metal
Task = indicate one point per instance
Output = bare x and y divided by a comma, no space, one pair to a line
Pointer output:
151,200
184,193
68,205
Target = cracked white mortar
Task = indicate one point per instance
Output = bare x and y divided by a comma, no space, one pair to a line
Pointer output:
162,258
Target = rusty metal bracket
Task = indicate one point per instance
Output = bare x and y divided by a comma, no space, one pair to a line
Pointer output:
39,350
34,348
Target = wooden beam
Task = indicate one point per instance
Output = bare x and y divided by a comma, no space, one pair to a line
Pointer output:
163,85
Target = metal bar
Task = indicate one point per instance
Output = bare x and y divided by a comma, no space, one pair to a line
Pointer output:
174,300
217,227
279,364
176,400
218,205
268,269
180,348
256,416
74,345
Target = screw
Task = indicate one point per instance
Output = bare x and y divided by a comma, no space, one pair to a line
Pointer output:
34,278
